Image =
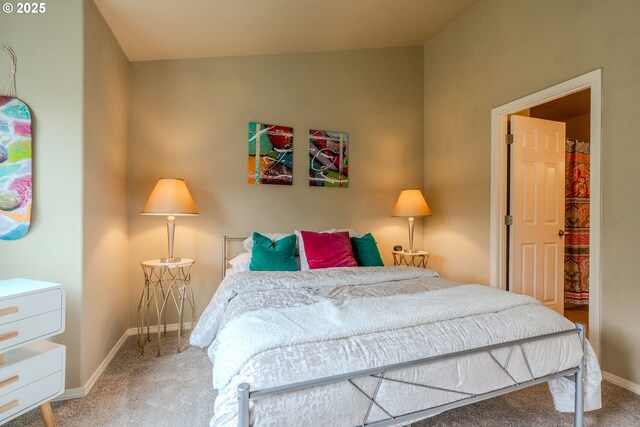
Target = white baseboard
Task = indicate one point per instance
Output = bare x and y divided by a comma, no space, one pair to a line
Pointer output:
75,393
71,393
621,382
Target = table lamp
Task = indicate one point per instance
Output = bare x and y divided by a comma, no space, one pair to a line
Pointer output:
411,203
170,197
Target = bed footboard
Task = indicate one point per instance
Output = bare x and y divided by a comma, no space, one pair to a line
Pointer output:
576,374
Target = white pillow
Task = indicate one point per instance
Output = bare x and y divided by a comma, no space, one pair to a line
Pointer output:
248,243
241,262
352,233
304,264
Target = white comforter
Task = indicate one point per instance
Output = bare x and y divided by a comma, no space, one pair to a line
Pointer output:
270,329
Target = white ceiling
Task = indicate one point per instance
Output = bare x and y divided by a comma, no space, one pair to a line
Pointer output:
168,29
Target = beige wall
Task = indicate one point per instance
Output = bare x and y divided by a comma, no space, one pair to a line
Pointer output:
78,235
476,64
49,80
106,247
189,119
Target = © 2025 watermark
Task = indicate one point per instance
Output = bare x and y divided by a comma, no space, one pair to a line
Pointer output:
24,7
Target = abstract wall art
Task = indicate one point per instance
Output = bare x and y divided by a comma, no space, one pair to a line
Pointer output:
270,154
15,168
328,159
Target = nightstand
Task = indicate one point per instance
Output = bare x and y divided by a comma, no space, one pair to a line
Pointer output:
31,370
162,281
411,259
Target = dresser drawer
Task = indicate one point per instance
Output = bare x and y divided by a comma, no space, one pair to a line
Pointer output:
32,371
30,363
31,395
32,304
32,328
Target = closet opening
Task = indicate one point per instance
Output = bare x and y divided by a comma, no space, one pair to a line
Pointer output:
572,283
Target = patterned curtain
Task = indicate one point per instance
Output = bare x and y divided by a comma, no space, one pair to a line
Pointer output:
576,242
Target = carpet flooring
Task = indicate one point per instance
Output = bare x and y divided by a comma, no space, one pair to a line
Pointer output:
175,390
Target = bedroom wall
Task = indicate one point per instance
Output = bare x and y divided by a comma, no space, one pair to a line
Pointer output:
476,64
189,119
106,246
49,71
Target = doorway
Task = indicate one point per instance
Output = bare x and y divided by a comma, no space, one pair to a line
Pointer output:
571,298
540,103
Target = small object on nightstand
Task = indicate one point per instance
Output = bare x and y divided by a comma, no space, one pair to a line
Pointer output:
397,248
411,259
170,280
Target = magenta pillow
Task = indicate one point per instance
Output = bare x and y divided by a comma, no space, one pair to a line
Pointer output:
324,250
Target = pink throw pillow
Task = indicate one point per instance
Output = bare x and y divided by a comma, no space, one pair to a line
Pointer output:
326,250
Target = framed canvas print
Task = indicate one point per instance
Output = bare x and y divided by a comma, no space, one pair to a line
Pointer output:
270,154
328,159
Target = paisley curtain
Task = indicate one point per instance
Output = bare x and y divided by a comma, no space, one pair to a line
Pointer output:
576,243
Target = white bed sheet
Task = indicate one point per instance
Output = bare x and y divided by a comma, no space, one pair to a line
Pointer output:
230,272
341,404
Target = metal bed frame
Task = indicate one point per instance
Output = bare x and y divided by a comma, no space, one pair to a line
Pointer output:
245,394
576,374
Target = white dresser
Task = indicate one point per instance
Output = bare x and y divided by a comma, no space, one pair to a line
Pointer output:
32,370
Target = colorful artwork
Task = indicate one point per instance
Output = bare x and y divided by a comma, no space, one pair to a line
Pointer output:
270,154
15,168
328,159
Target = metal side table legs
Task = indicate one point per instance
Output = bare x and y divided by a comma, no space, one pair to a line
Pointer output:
161,282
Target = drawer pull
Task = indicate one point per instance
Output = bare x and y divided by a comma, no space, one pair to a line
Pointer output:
11,380
6,407
8,335
8,310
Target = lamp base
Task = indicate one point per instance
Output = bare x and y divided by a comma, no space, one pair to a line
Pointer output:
170,260
411,251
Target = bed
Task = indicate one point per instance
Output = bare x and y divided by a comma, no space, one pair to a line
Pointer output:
381,346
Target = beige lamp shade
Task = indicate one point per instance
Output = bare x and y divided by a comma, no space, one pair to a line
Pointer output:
411,203
170,196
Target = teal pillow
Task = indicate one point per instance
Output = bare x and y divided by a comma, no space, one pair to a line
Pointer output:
273,255
365,251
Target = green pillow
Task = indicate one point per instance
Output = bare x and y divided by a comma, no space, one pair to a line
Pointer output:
365,251
273,255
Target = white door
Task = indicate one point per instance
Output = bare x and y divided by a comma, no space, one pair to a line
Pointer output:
537,208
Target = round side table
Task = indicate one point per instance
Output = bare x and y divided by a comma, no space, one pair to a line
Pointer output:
411,259
162,281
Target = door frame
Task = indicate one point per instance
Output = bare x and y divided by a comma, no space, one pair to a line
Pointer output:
498,244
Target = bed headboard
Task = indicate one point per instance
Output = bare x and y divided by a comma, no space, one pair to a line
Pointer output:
227,251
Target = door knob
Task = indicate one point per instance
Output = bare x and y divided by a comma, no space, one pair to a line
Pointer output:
562,233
